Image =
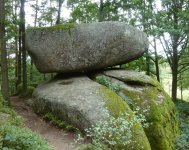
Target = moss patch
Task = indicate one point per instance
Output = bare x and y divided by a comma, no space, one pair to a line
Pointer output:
137,81
66,82
115,106
161,134
63,27
114,103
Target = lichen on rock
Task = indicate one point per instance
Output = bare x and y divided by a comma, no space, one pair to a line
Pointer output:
63,27
162,117
82,47
81,103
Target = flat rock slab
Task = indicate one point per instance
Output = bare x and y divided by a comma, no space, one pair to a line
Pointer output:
82,47
129,76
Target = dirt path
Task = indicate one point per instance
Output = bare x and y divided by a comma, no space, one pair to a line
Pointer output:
58,138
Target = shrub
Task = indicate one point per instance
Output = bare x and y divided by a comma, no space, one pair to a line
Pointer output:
55,121
13,136
182,142
20,90
111,133
102,80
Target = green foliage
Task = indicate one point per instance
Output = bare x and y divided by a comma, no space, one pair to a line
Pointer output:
110,132
14,136
85,11
114,133
102,80
7,110
55,121
182,142
63,27
20,90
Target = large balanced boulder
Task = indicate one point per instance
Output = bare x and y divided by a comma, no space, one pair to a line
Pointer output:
142,91
81,102
81,47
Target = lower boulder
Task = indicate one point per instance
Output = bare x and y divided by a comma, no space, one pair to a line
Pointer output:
81,102
142,91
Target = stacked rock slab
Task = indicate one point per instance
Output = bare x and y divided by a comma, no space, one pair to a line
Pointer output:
75,98
82,47
143,91
81,102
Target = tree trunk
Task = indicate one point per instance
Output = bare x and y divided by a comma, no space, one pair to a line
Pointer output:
31,71
59,10
175,59
174,70
45,77
19,57
147,64
174,84
156,61
35,23
181,87
100,19
16,57
4,68
23,50
145,19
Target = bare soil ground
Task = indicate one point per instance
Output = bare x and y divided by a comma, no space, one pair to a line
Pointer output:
55,136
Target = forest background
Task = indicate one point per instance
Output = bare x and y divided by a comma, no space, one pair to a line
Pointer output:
167,27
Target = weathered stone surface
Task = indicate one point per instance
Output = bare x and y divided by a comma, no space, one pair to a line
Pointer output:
81,101
130,76
29,102
162,113
4,117
82,47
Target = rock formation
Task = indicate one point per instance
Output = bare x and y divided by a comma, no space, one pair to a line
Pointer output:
75,98
80,101
83,47
144,92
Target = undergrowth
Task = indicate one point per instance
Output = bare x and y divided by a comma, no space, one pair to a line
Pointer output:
102,80
15,137
62,124
182,142
113,133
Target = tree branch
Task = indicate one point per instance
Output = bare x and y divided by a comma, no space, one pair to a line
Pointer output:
170,63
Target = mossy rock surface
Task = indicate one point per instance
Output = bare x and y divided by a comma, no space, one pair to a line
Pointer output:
162,113
129,76
82,102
